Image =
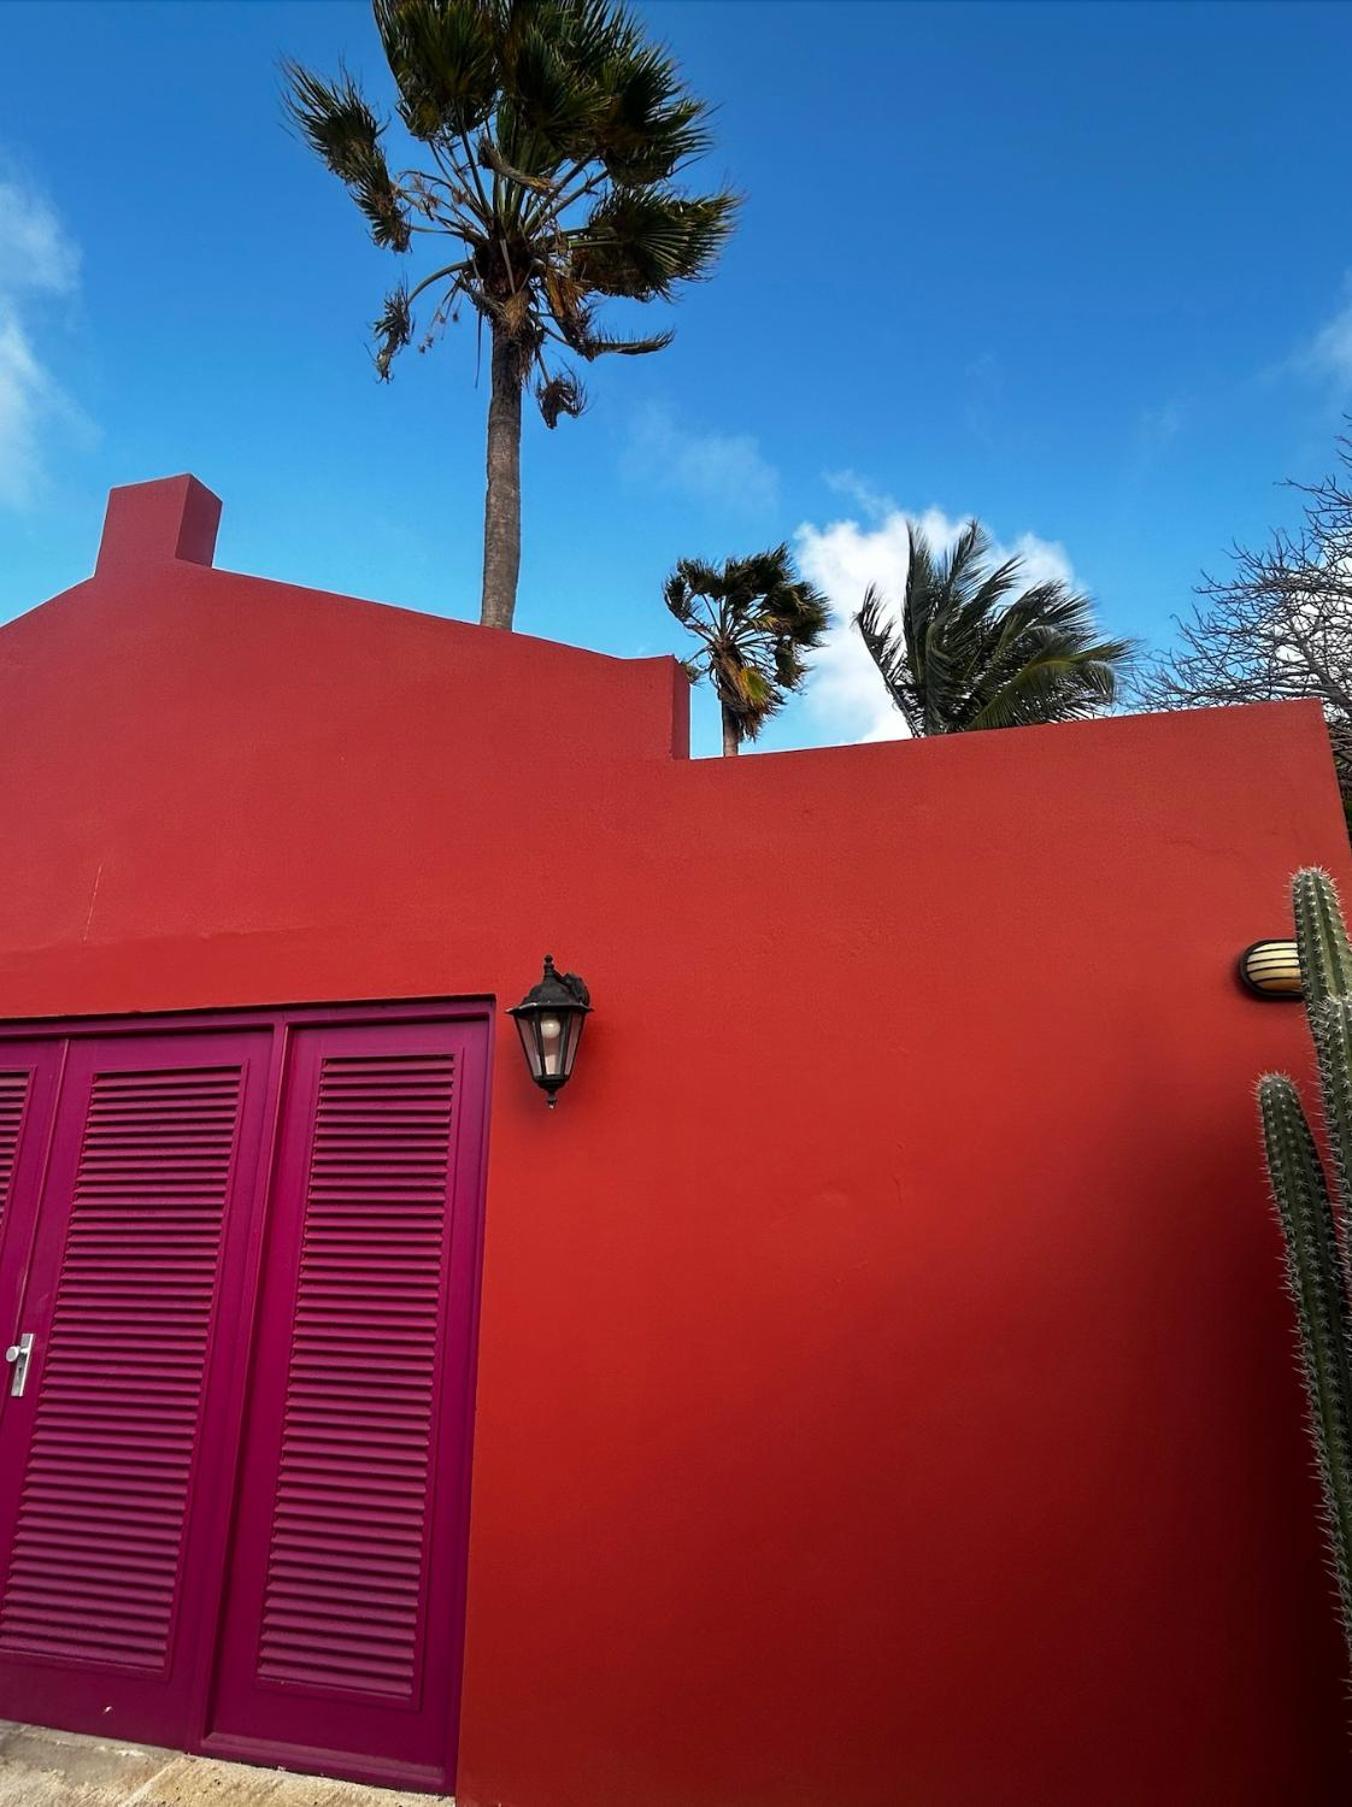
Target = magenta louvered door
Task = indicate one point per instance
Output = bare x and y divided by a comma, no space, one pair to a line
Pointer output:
112,1471
342,1632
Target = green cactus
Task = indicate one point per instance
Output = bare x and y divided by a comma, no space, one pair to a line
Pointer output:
1319,1275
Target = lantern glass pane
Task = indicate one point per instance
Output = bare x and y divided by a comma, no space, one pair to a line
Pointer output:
525,1028
574,1035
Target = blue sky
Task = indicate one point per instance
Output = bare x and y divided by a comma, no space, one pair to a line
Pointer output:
1082,270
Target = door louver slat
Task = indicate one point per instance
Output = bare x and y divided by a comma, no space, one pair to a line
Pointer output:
346,1560
97,1551
13,1100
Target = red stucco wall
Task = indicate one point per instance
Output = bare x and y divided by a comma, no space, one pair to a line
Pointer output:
885,1388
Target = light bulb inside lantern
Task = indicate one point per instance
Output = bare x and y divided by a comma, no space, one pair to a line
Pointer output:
551,1042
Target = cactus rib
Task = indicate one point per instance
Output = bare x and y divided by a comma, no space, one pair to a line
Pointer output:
1315,1280
1314,1233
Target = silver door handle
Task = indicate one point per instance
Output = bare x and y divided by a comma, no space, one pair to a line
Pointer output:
20,1354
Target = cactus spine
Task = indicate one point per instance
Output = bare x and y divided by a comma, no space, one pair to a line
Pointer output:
1318,1272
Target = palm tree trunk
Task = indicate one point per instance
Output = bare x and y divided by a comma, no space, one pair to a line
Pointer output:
502,498
732,740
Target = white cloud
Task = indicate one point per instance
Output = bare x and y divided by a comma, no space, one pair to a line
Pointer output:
844,692
725,468
37,260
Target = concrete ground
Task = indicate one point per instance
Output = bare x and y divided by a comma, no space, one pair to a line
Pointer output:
39,1768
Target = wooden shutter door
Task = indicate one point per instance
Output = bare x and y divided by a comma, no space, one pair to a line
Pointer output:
112,1471
342,1634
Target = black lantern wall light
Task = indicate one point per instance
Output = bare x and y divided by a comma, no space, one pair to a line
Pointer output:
549,1021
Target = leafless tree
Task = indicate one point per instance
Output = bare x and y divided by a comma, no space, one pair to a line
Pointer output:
1278,627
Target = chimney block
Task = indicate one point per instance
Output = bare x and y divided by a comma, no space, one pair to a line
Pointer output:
174,517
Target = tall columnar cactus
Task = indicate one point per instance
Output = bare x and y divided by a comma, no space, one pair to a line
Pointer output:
1319,1274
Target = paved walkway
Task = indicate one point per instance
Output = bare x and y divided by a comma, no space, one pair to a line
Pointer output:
39,1768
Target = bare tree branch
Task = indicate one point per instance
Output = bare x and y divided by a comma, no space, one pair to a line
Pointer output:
1277,628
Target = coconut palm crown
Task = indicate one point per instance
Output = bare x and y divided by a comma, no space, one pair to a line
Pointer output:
553,133
975,648
755,618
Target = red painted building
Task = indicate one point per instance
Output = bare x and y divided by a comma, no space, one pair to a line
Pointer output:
881,1381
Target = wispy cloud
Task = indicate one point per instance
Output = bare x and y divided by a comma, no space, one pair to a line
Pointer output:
35,252
844,693
983,390
873,503
1157,427
728,469
1329,354
38,263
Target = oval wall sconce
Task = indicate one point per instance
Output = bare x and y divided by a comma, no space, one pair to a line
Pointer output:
1271,969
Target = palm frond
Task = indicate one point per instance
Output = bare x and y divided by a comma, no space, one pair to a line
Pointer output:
553,106
338,125
695,576
441,54
559,395
393,329
650,125
884,644
887,648
640,242
591,344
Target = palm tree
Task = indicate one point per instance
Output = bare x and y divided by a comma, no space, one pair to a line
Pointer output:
975,649
553,133
755,618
